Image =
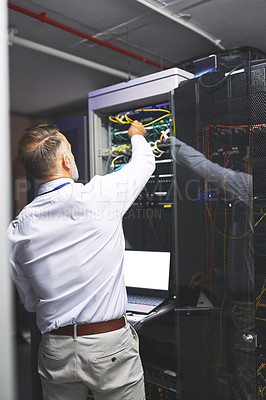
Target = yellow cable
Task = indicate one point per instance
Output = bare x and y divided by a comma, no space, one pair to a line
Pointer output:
130,121
261,319
260,295
153,109
262,365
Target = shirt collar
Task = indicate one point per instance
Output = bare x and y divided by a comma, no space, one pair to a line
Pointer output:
48,186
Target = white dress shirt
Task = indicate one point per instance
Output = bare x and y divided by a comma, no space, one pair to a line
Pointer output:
67,245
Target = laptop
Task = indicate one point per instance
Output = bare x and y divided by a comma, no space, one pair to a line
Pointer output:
147,279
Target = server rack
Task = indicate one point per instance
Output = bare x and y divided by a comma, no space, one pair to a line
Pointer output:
148,224
223,117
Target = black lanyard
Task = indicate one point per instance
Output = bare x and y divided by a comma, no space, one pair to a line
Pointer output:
56,188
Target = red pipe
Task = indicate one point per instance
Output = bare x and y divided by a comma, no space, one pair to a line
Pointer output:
43,18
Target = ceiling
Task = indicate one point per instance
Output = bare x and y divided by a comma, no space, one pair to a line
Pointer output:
144,35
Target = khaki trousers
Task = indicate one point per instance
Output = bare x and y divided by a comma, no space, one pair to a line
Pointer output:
107,363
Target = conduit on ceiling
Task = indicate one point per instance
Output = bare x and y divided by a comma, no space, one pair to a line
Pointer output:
66,56
43,18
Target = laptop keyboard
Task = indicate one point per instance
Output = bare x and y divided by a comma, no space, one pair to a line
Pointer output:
144,300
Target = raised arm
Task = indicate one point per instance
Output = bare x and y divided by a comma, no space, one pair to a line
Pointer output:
239,184
122,187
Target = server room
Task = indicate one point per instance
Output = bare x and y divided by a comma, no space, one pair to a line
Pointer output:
133,201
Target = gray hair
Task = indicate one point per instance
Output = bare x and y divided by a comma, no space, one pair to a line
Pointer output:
38,149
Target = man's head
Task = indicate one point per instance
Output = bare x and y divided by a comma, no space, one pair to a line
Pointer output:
46,154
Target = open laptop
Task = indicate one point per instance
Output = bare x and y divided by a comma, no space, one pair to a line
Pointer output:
147,279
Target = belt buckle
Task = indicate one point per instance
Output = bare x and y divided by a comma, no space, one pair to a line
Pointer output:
75,332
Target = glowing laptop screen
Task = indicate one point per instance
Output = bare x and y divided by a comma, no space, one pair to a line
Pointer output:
147,269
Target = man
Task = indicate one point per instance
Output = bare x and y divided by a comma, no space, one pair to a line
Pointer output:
237,275
238,186
67,263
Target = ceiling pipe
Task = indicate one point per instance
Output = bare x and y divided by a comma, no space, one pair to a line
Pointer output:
13,39
43,18
182,21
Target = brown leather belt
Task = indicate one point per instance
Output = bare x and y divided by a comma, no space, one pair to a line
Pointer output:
90,329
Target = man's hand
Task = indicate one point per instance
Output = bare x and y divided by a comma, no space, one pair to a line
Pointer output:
200,277
136,129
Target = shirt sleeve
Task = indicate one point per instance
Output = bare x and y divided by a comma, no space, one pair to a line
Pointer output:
239,184
21,281
120,188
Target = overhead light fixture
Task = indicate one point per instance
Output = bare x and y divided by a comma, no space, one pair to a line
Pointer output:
181,19
185,17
